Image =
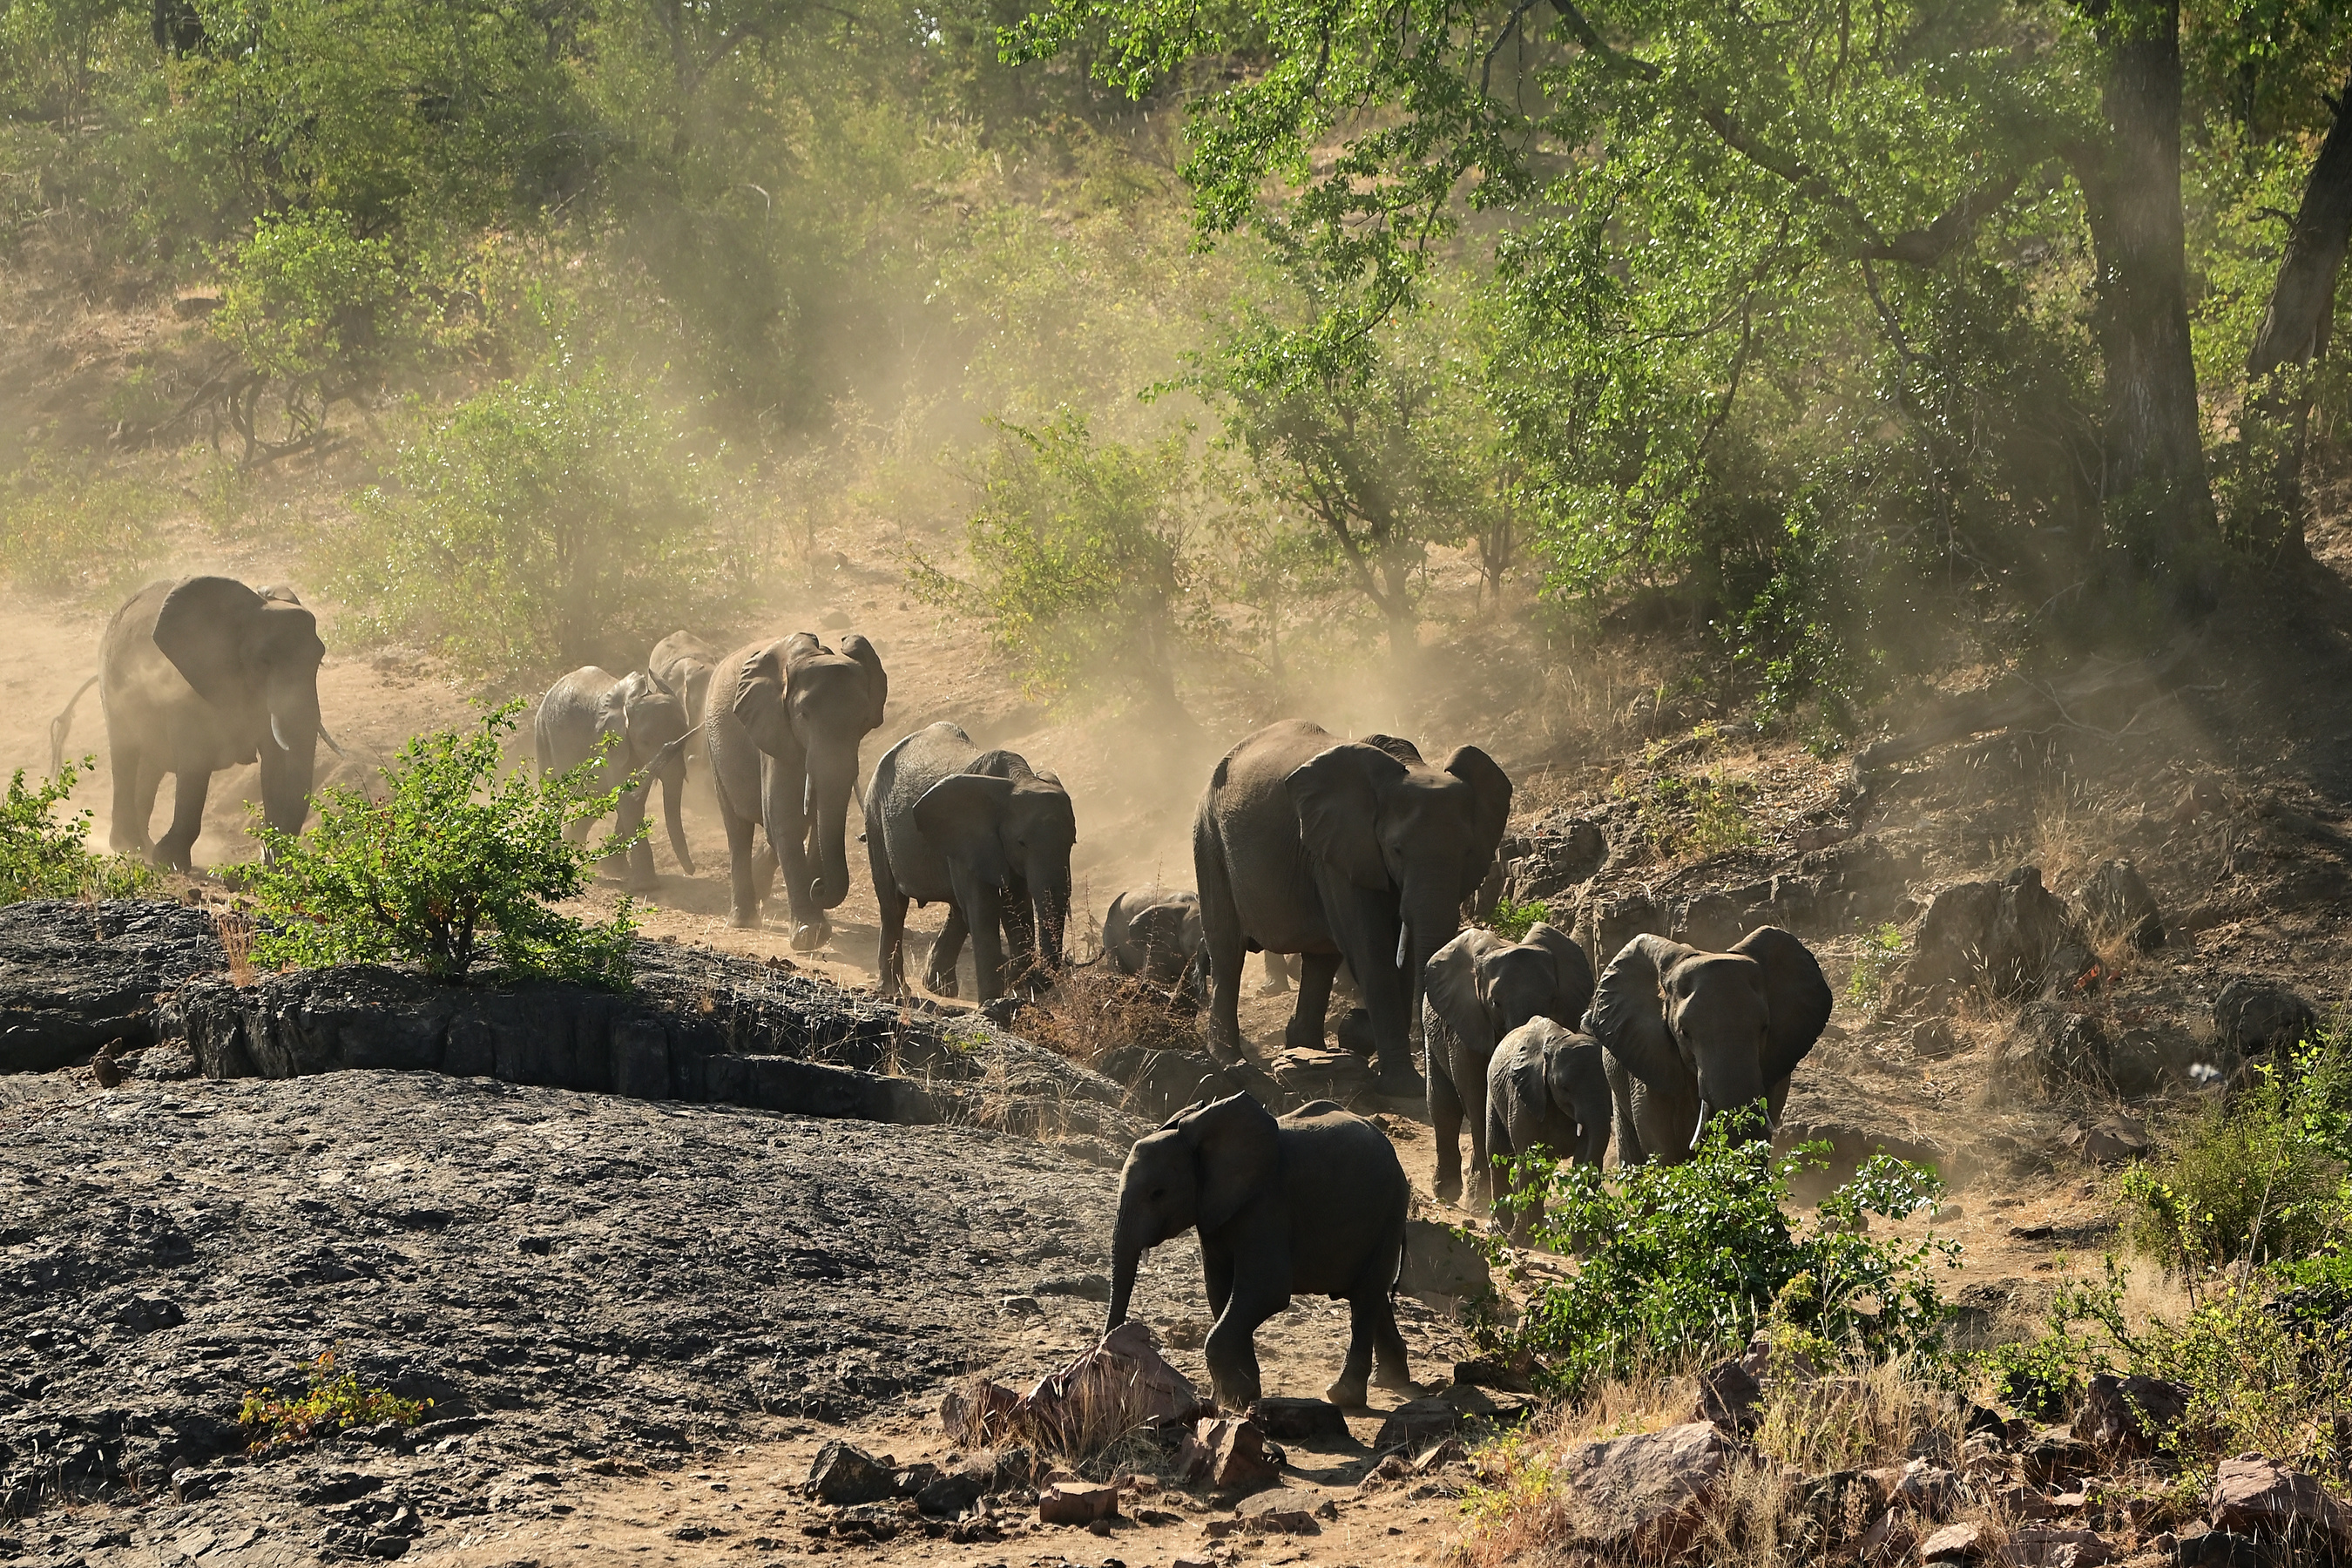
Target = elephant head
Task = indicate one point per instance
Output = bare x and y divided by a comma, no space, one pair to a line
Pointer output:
1203,1166
809,707
1481,986
255,659
1396,847
648,724
1724,1028
1002,828
1576,1085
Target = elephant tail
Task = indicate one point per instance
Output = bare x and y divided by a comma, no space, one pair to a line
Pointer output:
62,725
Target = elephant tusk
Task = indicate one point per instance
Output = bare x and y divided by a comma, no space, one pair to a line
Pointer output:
277,734
1402,931
1700,1131
331,743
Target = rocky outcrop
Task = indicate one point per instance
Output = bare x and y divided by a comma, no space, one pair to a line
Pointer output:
1644,1496
2115,903
2251,1016
75,976
2014,937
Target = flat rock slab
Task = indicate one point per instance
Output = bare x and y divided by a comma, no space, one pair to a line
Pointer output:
570,1277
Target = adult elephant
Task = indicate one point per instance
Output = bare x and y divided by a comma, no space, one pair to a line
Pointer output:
782,724
985,835
1476,989
1305,843
199,675
1313,1204
1547,1091
642,726
1154,934
1689,1034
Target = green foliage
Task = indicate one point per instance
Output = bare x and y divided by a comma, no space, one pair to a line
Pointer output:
2041,1377
1875,959
305,293
41,857
66,526
2261,1175
1683,1260
544,521
1513,916
1084,569
334,1402
453,859
1693,815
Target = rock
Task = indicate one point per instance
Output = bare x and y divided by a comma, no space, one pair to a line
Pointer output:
1392,1468
1436,1458
1076,1502
103,1068
2148,1058
846,1477
1289,1420
1918,1487
1957,1543
951,1492
2116,903
1933,1040
1710,922
1341,1075
1418,1422
1765,1364
74,977
1731,1397
2254,1496
2110,1141
2014,937
1163,1082
2051,1546
2062,1047
1084,1287
1493,1375
1123,1382
1285,1510
2220,1549
1441,1262
1557,854
1644,1495
1606,924
1022,1307
974,1416
1228,1454
2055,1454
146,1314
1888,1540
2251,1016
2130,1416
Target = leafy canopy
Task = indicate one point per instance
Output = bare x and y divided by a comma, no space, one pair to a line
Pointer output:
454,861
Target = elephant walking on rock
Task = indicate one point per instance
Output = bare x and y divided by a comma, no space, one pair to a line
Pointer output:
1310,1204
782,724
1476,989
1690,1033
197,676
642,727
1358,849
982,832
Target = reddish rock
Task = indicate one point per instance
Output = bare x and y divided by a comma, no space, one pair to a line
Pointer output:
1418,1424
2038,1546
1888,1540
1957,1543
2255,1496
2130,1415
1224,1453
1644,1495
1078,1503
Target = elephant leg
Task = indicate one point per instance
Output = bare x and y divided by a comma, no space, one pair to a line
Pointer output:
127,835
783,792
1221,938
1629,1137
1373,1343
1481,1149
1021,967
1277,976
1217,1275
1231,1348
178,847
149,774
744,901
890,961
939,972
1446,1122
1305,1031
638,869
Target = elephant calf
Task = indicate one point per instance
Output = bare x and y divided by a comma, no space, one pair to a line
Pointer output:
646,725
1312,1203
1475,990
1154,934
1546,1088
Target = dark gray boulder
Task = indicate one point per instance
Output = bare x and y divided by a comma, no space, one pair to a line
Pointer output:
2115,902
2251,1016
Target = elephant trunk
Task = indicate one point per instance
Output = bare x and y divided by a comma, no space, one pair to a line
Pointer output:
1049,900
289,754
831,772
673,783
1127,1250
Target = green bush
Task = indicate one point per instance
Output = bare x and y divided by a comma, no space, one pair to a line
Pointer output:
334,1402
452,858
305,293
1689,1260
1513,916
64,527
1874,960
545,521
41,857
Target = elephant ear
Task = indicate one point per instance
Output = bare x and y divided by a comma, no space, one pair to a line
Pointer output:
205,627
878,682
1337,795
1628,1015
1490,790
1572,986
1237,1148
613,711
759,694
959,815
1450,989
1797,996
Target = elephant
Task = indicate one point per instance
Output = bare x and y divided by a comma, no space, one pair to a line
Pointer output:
1306,843
1476,989
979,832
647,725
1547,1087
199,675
684,663
782,723
1689,1034
1311,1204
1154,934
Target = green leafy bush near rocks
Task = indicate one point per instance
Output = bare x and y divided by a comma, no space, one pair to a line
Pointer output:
42,858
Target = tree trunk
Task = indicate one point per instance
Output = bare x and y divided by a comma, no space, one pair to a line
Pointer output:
2157,503
2294,332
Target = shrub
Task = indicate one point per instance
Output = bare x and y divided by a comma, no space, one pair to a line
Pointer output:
547,521
63,529
305,293
1874,962
41,857
333,1401
1686,1260
1513,916
452,853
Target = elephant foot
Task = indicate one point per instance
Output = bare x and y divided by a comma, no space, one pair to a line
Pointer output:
1273,988
1448,1192
814,934
1348,1393
939,984
1397,1381
743,920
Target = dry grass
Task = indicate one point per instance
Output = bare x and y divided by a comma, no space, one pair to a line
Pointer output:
1094,1010
236,944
